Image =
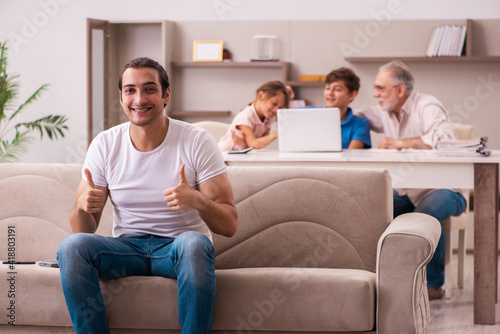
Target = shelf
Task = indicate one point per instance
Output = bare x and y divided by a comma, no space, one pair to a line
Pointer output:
305,83
281,65
198,113
229,64
468,58
425,59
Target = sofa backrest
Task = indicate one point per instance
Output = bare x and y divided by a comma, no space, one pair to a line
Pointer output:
36,199
288,217
306,217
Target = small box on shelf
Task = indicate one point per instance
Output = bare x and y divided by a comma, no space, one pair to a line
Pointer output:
312,77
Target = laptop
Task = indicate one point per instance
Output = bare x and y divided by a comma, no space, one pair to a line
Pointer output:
309,130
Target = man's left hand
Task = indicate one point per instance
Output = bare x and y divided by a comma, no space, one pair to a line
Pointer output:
182,196
387,142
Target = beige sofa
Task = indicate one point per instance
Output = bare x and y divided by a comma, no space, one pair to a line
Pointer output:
316,251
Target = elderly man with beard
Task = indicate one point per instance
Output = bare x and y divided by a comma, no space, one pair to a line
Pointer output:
410,119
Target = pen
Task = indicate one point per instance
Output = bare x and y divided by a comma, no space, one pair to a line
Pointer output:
18,262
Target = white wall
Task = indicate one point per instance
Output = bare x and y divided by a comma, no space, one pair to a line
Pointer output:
48,42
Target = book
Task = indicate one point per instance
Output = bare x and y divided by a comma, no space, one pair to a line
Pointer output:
471,147
432,41
461,43
440,41
462,143
294,104
312,77
453,41
446,41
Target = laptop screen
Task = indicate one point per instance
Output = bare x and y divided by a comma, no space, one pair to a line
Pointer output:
309,130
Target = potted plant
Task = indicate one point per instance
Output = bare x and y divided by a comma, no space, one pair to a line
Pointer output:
20,134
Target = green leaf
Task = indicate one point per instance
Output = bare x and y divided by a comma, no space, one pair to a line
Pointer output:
52,125
30,100
11,151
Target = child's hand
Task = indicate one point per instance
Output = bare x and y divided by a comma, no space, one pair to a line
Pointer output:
238,141
290,92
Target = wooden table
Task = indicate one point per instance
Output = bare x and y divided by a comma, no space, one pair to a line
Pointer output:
422,169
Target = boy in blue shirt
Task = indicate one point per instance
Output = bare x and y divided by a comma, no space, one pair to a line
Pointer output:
341,87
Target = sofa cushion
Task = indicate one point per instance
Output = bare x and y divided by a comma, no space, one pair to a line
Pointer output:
247,299
131,302
288,299
37,199
333,216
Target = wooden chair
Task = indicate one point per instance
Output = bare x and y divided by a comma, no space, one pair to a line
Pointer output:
459,224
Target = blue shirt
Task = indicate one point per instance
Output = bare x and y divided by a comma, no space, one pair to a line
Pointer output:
354,128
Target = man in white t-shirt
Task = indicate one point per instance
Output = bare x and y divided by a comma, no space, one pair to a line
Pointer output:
410,119
168,185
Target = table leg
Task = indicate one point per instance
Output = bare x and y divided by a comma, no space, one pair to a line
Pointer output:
485,242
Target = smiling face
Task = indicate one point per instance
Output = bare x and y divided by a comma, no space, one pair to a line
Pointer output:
267,107
386,90
337,95
141,96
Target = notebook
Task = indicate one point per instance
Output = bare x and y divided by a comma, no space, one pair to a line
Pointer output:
309,130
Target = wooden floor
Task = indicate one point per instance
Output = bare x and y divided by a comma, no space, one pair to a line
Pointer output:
456,315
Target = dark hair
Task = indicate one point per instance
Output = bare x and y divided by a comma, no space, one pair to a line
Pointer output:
350,79
273,88
144,62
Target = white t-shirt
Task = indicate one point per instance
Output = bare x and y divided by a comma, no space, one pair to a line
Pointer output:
136,180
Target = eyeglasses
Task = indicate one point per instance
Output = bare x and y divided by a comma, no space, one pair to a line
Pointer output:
382,88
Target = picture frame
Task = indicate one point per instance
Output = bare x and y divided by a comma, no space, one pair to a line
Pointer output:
207,51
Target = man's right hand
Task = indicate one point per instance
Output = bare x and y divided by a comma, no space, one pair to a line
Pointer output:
416,142
91,200
387,142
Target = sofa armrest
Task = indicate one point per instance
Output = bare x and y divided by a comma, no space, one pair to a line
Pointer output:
403,252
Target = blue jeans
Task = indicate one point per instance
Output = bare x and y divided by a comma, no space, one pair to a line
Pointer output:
440,204
189,258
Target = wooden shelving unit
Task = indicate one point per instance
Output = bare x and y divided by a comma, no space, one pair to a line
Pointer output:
229,64
283,66
463,59
305,83
467,58
199,113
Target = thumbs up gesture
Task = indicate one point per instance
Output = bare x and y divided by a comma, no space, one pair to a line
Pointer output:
182,196
92,199
88,174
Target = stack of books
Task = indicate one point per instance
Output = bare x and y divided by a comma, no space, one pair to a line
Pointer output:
295,104
447,41
473,147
